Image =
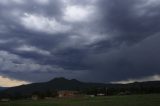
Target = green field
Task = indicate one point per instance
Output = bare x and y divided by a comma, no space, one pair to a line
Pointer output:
134,100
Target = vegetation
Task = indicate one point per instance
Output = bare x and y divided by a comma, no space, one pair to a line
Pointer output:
134,100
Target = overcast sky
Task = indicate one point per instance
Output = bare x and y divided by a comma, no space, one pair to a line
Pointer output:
90,40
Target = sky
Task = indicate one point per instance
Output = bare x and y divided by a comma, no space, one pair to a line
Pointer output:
115,41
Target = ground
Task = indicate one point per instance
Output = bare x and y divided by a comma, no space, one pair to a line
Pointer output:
132,100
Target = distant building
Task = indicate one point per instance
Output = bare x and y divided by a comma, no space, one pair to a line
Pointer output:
100,94
35,97
5,100
66,93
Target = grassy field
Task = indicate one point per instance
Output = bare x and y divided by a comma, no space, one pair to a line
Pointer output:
134,100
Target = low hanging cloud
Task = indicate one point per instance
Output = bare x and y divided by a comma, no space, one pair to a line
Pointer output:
14,66
150,78
93,40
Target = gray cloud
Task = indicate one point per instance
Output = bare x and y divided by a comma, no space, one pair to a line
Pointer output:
136,61
96,40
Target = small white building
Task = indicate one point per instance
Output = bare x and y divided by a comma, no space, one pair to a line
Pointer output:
35,97
100,94
5,100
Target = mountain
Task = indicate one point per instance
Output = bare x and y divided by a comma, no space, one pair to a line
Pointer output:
3,88
58,84
54,84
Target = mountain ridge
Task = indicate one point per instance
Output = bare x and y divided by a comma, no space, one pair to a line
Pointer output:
58,84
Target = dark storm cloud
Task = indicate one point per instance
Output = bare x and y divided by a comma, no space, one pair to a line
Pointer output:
108,40
129,21
137,61
132,50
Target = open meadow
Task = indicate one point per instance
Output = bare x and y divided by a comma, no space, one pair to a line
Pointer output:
131,100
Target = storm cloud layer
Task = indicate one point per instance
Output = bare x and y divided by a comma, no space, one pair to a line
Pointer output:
91,40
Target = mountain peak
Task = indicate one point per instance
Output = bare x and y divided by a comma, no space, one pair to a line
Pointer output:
58,79
62,79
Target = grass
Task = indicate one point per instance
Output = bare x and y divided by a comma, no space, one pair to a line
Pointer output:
132,100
